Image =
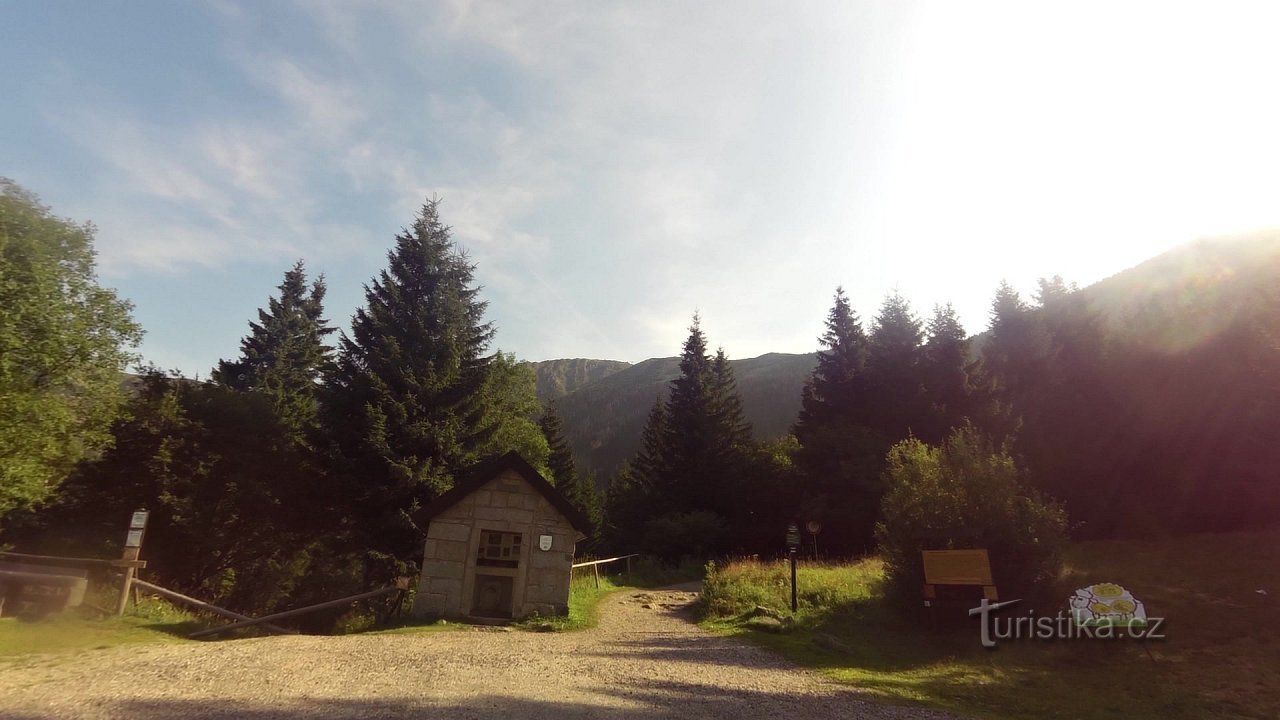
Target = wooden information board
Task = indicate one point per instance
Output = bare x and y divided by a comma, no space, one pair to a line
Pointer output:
957,567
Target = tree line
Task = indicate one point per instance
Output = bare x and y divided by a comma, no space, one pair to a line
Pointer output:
295,471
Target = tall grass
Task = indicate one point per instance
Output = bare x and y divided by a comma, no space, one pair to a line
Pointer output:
1221,658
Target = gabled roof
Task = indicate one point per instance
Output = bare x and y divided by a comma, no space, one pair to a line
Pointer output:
482,472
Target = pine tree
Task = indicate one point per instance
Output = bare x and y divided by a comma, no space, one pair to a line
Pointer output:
726,402
1008,363
695,448
407,395
579,490
893,369
284,355
943,370
839,457
699,438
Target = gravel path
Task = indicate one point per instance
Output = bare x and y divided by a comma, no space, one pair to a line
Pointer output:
647,659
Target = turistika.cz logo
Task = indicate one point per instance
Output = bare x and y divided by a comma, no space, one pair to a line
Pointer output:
1105,611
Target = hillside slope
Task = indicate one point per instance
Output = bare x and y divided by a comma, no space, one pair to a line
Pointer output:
603,419
557,378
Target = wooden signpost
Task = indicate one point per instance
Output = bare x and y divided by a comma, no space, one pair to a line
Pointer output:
793,544
132,547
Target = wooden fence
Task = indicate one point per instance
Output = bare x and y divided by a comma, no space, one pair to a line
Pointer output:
595,565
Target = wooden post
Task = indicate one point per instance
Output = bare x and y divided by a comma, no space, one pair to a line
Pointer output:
127,583
595,570
628,569
132,546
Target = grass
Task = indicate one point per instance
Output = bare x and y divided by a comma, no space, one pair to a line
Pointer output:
1221,658
584,603
585,597
83,630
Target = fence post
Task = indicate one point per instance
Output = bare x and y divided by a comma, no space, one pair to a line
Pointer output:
595,570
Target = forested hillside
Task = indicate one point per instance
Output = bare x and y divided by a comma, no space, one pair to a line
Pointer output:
602,420
557,378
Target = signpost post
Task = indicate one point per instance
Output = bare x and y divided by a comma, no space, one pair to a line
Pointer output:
132,546
793,543
814,527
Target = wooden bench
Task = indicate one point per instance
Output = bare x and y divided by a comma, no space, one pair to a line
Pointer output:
39,590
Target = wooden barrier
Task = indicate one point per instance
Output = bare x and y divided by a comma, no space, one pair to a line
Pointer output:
171,595
291,613
595,565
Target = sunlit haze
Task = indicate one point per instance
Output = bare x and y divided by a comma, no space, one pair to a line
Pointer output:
614,167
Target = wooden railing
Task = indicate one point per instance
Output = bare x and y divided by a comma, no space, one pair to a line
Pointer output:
595,565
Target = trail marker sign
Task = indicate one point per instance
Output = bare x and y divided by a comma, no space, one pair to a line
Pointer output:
793,536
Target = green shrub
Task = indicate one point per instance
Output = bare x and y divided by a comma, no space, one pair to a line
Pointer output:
967,494
696,534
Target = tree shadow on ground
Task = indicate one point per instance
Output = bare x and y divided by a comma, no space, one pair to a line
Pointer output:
671,699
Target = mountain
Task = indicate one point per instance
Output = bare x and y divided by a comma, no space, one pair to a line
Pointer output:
557,378
603,418
1191,293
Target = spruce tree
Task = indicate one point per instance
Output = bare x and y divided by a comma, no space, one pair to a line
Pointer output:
944,365
580,491
893,370
407,403
839,457
284,356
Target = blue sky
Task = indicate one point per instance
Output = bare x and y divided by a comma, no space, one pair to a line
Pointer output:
613,167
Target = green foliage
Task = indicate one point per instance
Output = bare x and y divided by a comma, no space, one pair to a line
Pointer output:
694,464
580,491
849,629
839,455
284,356
64,342
509,402
228,490
944,373
967,494
739,587
695,534
407,403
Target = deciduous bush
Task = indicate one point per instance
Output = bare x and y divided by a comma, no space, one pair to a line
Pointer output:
967,493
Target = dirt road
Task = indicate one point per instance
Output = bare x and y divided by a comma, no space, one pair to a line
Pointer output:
647,659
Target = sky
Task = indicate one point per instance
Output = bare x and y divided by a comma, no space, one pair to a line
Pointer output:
613,168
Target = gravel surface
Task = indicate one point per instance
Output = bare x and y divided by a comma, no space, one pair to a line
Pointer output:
647,659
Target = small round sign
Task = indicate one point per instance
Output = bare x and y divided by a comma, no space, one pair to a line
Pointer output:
814,527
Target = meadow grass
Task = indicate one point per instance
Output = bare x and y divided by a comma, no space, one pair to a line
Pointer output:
80,630
1221,658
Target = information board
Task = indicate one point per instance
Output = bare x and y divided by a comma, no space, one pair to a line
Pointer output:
957,567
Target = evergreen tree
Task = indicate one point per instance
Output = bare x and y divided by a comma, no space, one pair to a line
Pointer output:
579,490
704,430
407,400
726,402
284,356
893,370
839,457
1008,360
691,470
944,365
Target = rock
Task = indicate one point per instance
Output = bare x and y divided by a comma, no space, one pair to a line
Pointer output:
762,611
832,643
647,606
766,623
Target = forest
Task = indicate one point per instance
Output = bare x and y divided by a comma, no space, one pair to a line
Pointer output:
293,472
